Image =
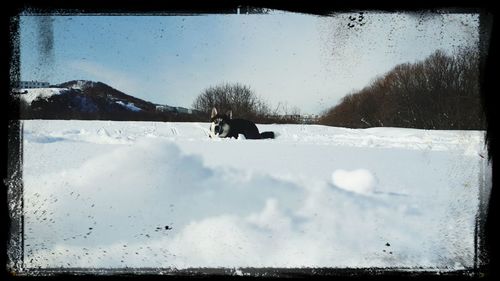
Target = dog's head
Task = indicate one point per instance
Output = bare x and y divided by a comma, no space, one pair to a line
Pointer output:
219,126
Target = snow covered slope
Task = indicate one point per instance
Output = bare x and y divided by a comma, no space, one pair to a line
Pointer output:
29,95
150,194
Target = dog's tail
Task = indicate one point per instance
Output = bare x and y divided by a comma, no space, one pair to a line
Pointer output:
267,135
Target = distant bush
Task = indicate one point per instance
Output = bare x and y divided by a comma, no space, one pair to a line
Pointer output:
441,92
236,97
244,103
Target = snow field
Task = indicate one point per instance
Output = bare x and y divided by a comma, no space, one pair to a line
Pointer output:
149,194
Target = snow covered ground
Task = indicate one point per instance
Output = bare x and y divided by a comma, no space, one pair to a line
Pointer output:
153,194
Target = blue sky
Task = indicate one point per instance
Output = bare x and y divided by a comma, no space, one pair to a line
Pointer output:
296,60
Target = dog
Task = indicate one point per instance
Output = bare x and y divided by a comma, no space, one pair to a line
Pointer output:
224,126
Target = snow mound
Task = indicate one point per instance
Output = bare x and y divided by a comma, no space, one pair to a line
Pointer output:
360,181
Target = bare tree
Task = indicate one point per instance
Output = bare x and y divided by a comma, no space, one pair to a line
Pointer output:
441,92
236,97
224,97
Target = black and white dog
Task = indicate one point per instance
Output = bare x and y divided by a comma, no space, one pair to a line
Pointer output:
224,126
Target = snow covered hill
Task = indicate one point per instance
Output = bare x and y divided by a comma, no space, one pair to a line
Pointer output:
81,99
151,194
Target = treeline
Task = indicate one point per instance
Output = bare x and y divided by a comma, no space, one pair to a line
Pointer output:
441,92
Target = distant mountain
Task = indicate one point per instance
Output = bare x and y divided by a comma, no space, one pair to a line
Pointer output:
81,99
